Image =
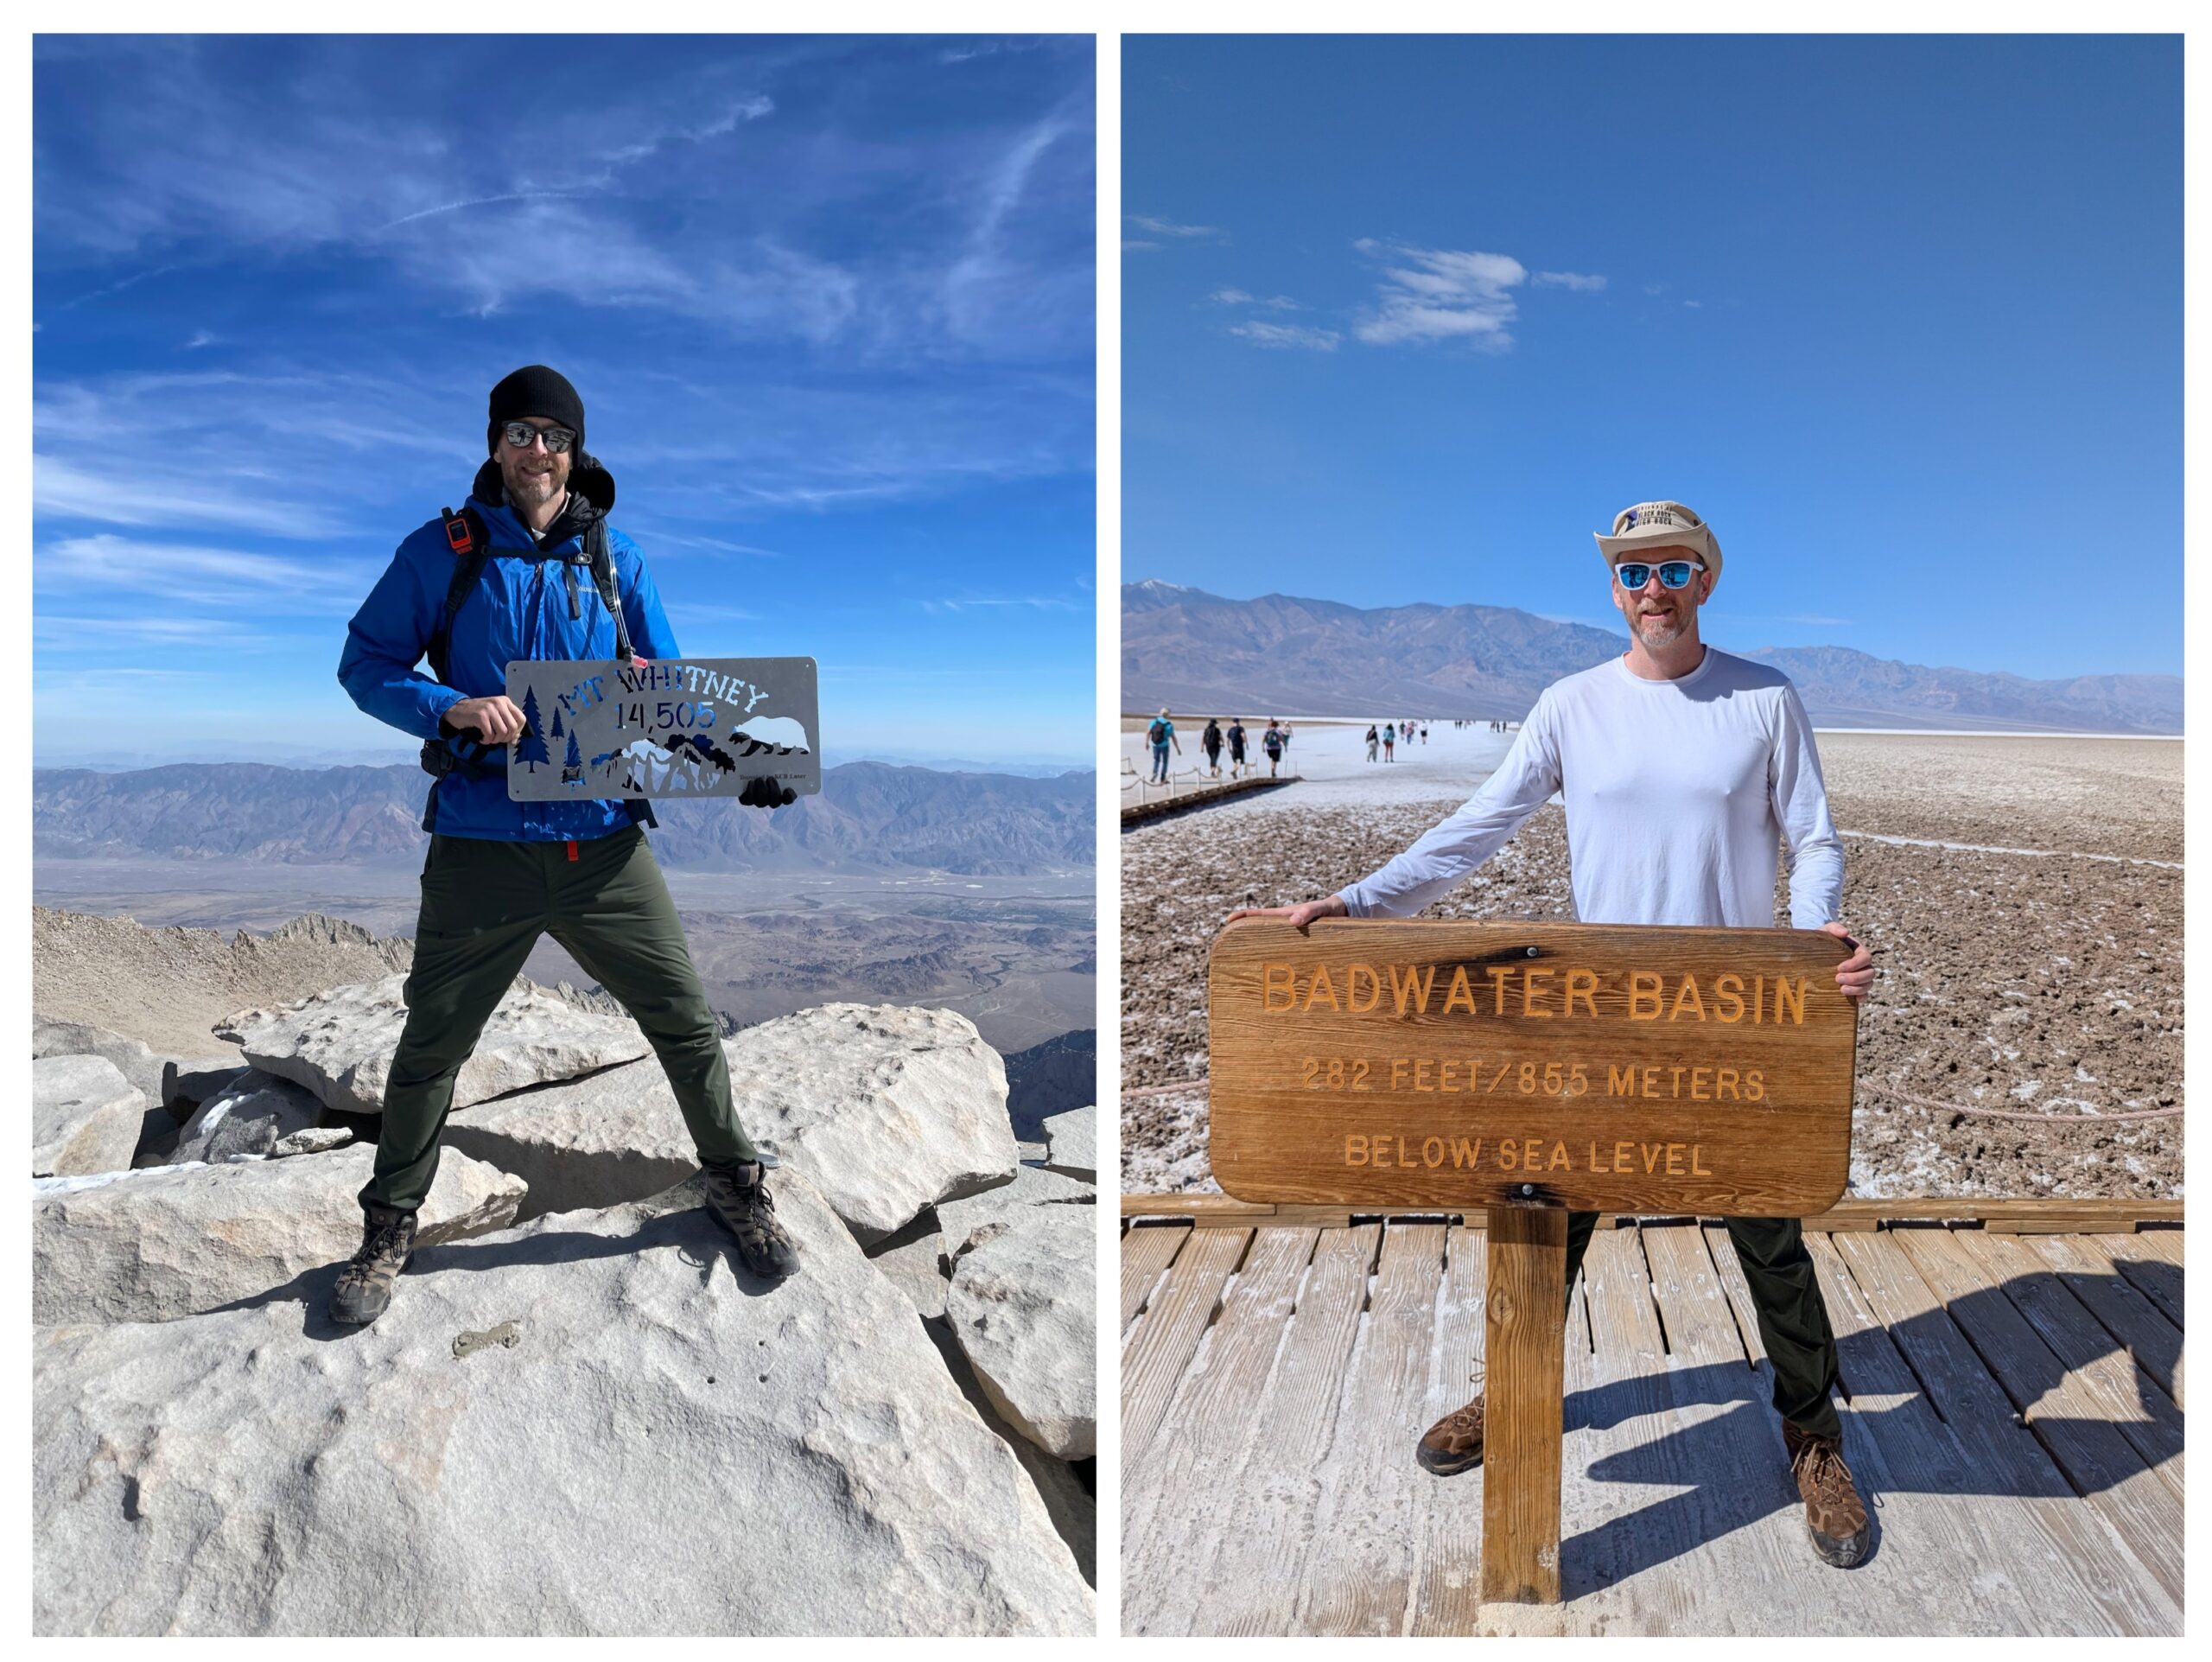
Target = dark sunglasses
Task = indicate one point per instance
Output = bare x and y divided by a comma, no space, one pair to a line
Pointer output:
1673,574
519,434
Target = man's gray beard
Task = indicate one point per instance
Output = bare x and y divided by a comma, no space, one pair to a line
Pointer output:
1664,635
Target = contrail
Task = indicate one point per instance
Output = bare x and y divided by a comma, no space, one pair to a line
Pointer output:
477,201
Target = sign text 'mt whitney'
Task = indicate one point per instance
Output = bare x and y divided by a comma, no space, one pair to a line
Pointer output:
1525,991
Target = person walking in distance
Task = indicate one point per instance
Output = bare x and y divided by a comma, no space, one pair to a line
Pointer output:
1209,741
1372,741
1684,768
1389,740
1271,742
1161,734
1286,740
501,579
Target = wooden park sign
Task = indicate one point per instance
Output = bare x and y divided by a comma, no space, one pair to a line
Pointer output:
1526,1069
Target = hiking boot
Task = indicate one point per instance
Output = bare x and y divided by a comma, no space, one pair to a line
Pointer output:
364,1288
739,1195
1834,1515
1454,1443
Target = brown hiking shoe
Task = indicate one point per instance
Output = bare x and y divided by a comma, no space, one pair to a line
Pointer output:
1454,1443
1834,1515
364,1288
739,1197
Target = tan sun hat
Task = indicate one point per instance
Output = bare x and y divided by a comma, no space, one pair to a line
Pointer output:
1659,524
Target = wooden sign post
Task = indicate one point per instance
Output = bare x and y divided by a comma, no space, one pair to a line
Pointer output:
1526,1070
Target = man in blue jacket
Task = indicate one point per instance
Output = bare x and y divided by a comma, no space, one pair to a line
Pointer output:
501,873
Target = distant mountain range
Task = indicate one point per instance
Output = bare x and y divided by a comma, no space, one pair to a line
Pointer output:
1280,655
868,815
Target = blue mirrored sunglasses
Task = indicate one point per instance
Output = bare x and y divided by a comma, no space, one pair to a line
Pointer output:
1673,574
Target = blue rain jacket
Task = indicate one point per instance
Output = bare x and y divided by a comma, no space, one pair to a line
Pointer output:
518,609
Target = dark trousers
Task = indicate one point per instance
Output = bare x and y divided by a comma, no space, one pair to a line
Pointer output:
484,904
1793,1318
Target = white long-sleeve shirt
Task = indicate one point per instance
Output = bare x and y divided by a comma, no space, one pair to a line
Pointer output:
1677,795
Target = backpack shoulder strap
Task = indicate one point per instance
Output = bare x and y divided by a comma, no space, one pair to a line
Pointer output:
472,546
602,572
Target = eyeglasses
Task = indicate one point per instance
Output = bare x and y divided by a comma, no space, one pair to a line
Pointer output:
519,434
1673,574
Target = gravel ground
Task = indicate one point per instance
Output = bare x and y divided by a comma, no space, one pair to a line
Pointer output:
2008,981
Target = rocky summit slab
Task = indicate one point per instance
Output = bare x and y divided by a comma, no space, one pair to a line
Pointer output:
339,1044
669,1447
153,1246
1022,1304
885,1110
86,1117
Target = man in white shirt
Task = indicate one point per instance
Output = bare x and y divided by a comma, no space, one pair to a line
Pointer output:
1683,767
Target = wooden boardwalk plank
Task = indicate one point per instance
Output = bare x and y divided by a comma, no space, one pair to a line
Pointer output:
1371,1510
1732,1440
2094,1457
1738,1289
1316,1489
1448,1576
2152,1341
1620,1422
1949,1543
2119,1391
1215,1414
2144,1258
1247,1581
2004,1457
1145,1253
1157,1352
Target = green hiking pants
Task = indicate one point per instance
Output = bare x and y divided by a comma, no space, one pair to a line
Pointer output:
484,904
1793,1318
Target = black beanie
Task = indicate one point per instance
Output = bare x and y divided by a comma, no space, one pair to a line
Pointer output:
535,389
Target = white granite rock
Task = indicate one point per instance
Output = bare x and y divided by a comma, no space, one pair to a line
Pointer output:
969,1222
339,1044
1022,1304
885,1110
913,1260
246,1120
1072,1141
134,1060
666,1446
156,1244
86,1117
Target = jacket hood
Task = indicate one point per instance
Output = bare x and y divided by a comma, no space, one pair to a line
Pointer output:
591,490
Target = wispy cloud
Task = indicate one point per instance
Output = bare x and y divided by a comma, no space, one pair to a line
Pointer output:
1169,228
61,629
975,602
111,564
68,491
1573,280
1293,335
743,109
200,338
1441,294
1238,297
1128,246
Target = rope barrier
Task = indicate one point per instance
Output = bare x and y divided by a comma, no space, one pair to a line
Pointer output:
2011,1113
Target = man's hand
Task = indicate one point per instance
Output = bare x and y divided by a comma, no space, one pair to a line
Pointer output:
1297,916
764,792
1854,976
496,720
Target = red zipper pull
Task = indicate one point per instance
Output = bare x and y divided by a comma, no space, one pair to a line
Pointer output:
572,848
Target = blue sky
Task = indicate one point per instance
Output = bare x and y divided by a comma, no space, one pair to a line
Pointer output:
830,304
1407,320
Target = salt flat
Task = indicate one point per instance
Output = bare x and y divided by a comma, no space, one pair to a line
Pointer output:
2039,981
